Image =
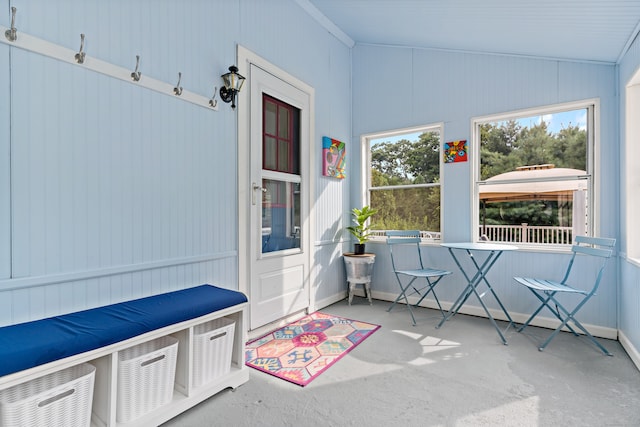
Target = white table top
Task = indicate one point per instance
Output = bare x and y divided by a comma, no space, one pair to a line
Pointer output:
480,246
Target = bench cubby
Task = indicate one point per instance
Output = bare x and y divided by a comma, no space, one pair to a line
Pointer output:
105,359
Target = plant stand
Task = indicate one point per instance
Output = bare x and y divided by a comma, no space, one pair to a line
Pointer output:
359,271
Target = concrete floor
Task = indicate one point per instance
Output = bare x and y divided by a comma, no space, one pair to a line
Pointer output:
459,375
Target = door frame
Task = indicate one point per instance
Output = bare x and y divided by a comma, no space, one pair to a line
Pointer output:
245,59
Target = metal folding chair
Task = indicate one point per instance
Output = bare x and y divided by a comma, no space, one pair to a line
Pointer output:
409,239
546,290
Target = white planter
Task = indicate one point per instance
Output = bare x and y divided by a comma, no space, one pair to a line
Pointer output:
359,270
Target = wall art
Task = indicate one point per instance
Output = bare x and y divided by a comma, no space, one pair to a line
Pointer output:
455,151
333,157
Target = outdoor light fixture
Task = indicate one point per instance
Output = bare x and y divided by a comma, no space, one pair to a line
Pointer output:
232,85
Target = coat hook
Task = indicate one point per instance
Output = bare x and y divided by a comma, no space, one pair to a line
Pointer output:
12,34
136,74
178,89
213,101
80,55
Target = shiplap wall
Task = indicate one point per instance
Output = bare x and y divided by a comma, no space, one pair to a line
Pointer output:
629,271
115,189
117,192
454,87
5,167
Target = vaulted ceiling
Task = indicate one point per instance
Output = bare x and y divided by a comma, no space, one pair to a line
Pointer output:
582,30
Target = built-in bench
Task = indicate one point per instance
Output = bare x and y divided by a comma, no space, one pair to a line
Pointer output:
32,349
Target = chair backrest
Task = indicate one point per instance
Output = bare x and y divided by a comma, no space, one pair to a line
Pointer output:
404,237
601,247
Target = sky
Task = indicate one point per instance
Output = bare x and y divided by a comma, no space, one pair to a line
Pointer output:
555,123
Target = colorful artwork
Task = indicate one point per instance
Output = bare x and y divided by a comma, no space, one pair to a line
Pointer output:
455,151
333,152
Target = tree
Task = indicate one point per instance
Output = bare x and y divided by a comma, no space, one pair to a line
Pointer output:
507,145
406,163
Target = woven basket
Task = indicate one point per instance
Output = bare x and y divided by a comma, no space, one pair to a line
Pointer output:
146,375
212,349
60,399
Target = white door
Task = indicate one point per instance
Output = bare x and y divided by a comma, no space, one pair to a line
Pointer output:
278,246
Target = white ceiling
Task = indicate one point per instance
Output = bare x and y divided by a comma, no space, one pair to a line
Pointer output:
583,30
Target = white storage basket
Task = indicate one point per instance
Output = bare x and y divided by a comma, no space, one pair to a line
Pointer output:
60,399
212,349
146,374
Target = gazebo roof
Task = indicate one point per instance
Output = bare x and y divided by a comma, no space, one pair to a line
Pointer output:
551,182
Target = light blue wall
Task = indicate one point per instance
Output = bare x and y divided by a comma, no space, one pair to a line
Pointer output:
116,191
398,87
629,271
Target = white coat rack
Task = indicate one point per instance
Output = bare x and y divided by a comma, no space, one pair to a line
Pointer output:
15,38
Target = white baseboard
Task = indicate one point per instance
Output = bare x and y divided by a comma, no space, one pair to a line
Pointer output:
320,304
543,322
633,353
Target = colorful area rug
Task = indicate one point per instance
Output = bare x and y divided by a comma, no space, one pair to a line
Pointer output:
304,349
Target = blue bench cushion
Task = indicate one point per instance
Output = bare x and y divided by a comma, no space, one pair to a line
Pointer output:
30,344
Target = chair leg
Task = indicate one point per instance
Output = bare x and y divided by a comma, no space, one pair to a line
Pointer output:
403,295
413,319
570,316
444,315
591,337
535,313
545,303
564,321
423,296
431,289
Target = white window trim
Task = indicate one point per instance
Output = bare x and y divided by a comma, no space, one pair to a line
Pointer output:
632,175
593,161
365,164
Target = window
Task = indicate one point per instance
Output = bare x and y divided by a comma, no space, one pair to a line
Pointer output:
403,180
632,174
534,175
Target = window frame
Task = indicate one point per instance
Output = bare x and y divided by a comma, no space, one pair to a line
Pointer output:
365,169
632,173
593,164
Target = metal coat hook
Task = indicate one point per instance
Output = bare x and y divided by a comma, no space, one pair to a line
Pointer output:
213,101
12,33
80,55
136,74
178,89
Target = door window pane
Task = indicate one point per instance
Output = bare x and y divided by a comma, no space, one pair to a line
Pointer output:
270,152
281,136
280,216
283,156
270,114
283,124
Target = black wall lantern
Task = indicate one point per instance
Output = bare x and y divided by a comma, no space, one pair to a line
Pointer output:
232,84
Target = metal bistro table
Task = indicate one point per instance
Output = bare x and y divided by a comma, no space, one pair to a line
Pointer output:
493,251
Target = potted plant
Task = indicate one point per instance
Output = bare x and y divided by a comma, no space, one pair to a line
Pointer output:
361,231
